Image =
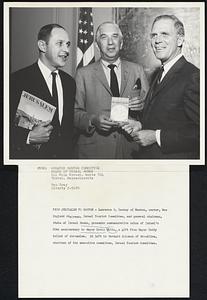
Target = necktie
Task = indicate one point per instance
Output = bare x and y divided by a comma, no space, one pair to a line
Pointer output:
54,89
158,77
113,82
54,92
161,70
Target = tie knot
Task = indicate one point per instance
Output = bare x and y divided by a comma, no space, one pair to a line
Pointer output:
111,66
54,74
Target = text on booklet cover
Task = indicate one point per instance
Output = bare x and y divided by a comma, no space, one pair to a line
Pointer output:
32,110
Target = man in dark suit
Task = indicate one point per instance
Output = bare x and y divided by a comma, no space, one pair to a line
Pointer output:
100,137
43,79
170,122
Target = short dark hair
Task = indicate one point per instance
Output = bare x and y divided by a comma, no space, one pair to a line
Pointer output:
177,23
45,31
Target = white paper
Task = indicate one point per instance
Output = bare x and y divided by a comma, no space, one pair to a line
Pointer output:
156,267
49,267
119,109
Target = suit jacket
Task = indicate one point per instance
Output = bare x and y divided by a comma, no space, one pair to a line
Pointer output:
93,96
30,79
174,109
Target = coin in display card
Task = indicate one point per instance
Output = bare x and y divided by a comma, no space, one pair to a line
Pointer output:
119,109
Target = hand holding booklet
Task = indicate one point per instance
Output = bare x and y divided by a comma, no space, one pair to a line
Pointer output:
32,111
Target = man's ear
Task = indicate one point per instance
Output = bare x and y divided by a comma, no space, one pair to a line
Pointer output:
42,46
180,41
121,44
96,45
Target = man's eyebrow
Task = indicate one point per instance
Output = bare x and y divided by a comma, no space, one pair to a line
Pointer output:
62,41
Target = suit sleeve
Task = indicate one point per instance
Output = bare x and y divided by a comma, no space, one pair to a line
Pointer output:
18,135
81,117
185,138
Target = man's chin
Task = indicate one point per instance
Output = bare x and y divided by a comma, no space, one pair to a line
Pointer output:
61,65
62,62
112,57
159,56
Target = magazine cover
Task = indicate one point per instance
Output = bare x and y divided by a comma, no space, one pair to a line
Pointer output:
32,111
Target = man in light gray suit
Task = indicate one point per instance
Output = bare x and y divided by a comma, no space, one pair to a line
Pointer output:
100,137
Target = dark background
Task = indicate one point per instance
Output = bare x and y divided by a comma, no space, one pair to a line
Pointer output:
9,223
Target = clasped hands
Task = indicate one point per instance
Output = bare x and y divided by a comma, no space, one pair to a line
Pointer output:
142,137
131,127
102,122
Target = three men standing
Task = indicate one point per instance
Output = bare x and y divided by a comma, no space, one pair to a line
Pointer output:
169,124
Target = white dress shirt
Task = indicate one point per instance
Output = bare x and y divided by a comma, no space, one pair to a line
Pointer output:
46,72
117,70
107,73
167,67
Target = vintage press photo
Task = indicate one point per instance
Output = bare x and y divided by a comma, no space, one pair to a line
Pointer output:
93,224
165,120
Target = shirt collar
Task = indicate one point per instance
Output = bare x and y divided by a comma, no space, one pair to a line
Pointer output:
46,72
168,65
106,63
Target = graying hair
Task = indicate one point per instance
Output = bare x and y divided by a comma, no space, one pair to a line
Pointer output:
99,27
177,23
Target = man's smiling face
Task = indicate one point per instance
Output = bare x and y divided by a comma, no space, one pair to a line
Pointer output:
57,49
165,41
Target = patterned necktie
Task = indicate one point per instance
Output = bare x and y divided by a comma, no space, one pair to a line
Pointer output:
114,82
55,94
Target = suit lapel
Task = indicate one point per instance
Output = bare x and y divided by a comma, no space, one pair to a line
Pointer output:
44,92
99,73
169,77
124,76
150,95
170,74
41,84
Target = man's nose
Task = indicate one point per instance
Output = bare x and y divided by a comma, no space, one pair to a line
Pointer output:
110,40
65,48
158,39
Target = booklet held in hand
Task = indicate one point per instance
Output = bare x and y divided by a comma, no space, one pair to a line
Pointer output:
119,109
32,111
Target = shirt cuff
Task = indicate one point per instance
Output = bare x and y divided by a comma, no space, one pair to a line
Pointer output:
28,142
157,132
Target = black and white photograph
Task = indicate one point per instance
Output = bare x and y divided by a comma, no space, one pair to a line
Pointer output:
103,131
79,59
